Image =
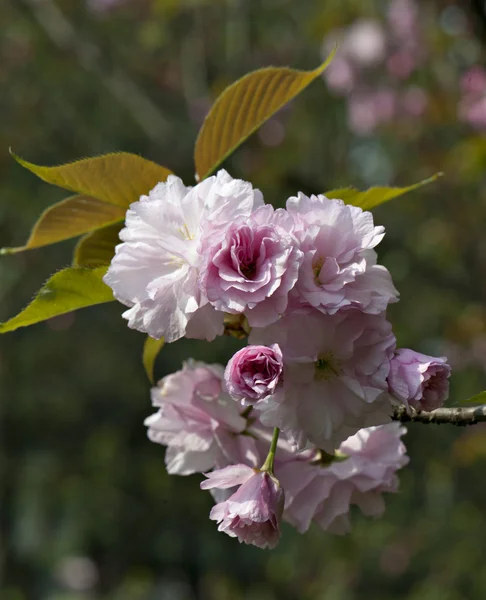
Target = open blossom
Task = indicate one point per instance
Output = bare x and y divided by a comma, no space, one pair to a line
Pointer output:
254,373
198,421
254,511
251,265
366,467
419,380
339,269
336,369
155,270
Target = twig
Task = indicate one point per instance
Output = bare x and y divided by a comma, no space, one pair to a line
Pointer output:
453,416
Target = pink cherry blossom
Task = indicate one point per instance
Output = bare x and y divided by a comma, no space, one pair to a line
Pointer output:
254,511
319,491
337,241
401,64
365,42
336,369
474,81
251,265
340,75
403,18
472,110
155,270
414,101
254,373
198,421
419,380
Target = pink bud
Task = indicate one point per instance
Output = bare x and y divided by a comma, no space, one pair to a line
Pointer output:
254,512
254,373
418,380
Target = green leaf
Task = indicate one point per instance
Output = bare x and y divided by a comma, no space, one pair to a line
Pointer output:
97,248
151,349
67,219
243,107
119,178
477,399
375,195
65,291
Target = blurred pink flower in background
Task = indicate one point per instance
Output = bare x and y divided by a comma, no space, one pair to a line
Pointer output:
474,113
403,19
365,42
401,65
367,110
340,76
473,80
414,101
373,60
472,104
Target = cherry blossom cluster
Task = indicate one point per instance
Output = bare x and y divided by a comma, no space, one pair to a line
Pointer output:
321,365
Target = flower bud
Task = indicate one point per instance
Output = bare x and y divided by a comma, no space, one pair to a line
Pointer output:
254,373
254,512
419,380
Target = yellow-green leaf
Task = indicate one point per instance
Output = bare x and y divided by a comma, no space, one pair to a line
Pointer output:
243,107
151,349
97,248
375,195
477,399
65,291
67,219
119,178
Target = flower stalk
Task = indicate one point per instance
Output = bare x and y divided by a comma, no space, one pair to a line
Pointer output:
269,461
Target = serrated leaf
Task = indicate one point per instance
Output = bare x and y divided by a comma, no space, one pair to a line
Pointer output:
119,178
243,107
151,349
67,219
375,196
67,290
477,399
97,248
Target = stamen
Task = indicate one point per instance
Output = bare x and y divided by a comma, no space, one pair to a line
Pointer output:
316,267
326,366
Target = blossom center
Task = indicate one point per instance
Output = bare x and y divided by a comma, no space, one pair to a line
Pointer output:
326,367
248,270
186,234
316,267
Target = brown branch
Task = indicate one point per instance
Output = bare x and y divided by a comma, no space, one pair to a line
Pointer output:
453,416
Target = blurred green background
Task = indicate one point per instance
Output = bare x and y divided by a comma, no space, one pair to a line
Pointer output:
87,509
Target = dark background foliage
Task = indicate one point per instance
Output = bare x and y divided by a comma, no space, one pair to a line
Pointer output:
87,509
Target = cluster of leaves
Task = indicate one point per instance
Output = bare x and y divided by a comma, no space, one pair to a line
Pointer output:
105,186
